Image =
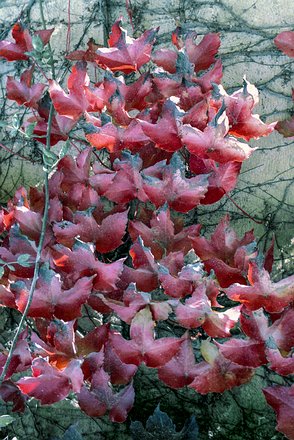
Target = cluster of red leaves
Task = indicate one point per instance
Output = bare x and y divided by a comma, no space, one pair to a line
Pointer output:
115,241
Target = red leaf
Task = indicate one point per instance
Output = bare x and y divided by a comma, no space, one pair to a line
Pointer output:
24,92
197,312
274,297
75,170
166,58
107,236
222,253
202,55
217,374
283,365
48,384
281,399
255,325
211,77
179,371
222,179
212,143
50,300
197,116
248,353
81,55
127,183
160,237
30,222
145,271
124,53
132,302
7,298
105,137
135,94
79,262
165,132
120,373
21,359
143,347
10,393
74,104
167,183
285,42
23,43
242,122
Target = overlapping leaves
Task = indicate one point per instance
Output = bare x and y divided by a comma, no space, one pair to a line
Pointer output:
117,241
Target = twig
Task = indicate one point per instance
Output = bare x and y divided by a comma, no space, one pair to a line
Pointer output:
42,235
68,28
14,153
259,222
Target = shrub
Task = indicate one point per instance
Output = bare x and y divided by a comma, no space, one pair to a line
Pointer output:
111,230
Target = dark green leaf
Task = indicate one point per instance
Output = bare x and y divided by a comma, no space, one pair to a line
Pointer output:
5,420
159,426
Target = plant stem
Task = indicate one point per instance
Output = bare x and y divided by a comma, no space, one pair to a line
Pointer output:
38,258
42,234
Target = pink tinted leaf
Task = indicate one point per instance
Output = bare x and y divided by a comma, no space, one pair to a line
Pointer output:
248,353
218,374
143,347
120,373
9,392
202,55
285,42
164,133
48,384
74,104
281,399
178,372
50,299
23,43
126,54
274,297
23,92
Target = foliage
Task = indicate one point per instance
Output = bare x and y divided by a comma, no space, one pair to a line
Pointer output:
162,136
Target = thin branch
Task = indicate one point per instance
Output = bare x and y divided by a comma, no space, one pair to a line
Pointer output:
42,234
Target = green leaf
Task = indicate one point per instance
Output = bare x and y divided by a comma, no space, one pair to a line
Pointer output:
64,149
30,129
1,271
5,420
37,43
23,260
15,122
50,159
10,267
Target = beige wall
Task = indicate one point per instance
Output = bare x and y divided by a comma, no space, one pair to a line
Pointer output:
247,27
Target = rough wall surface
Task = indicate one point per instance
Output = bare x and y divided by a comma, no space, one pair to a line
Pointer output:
265,190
